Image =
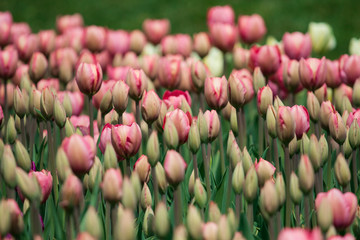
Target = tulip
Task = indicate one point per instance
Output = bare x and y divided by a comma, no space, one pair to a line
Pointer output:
47,103
240,88
142,167
71,193
216,92
210,231
45,181
175,167
18,29
103,91
220,14
150,107
322,37
241,57
183,44
251,28
312,73
126,140
285,124
333,79
264,170
67,22
213,124
337,128
302,121
47,41
194,222
37,66
182,123
21,72
26,46
59,56
137,82
343,206
137,41
269,199
5,30
150,65
95,38
156,29
306,174
112,185
223,36
89,78
264,100
297,45
251,185
268,58
300,233
80,152
169,71
349,69
174,98
118,42
8,63
326,110
202,43
85,57
342,171
120,96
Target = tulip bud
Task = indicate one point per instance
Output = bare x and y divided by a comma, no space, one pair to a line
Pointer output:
145,197
293,146
313,106
120,96
213,124
142,167
66,104
200,194
314,153
232,220
215,90
203,127
304,144
59,113
66,71
322,37
110,159
269,199
162,223
264,170
202,44
37,66
106,103
326,109
210,231
259,79
324,149
21,102
235,154
10,130
171,137
194,138
346,146
112,185
354,135
337,128
129,199
194,222
71,193
342,171
355,93
148,222
153,149
2,146
264,99
285,125
180,233
69,128
95,172
28,185
22,156
89,78
18,123
62,165
324,215
47,103
125,226
137,82
250,185
238,178
136,184
225,232
306,174
161,178
271,121
295,191
246,160
175,167
233,121
280,188
191,184
8,167
91,223
150,107
198,74
5,222
214,212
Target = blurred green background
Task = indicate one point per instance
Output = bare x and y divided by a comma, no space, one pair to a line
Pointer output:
189,16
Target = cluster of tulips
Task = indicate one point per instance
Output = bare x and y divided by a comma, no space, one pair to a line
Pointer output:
90,151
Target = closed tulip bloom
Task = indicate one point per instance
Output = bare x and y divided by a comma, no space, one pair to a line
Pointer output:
47,41
241,57
89,78
47,103
95,38
5,31
251,28
300,233
202,44
350,68
59,56
137,41
355,115
343,206
26,46
268,58
37,66
80,151
333,79
142,167
264,170
297,45
118,42
168,45
156,29
175,98
45,181
150,65
169,71
326,109
223,36
76,100
175,167
71,193
240,88
312,73
264,100
322,37
213,124
18,29
86,57
8,63
221,14
306,174
105,87
112,185
105,137
216,92
183,44
120,96
285,124
150,107
182,123
126,140
137,82
67,22
337,128
302,120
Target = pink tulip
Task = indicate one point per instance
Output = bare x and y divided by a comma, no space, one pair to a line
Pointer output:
137,82
182,123
118,42
241,57
47,41
251,28
168,45
156,29
352,116
312,73
169,71
52,83
103,58
240,87
18,29
105,137
75,38
105,86
86,57
95,38
15,218
268,58
183,44
27,45
38,66
150,106
83,123
71,193
223,36
348,236
300,234
58,56
215,90
66,22
265,170
45,181
186,82
6,17
302,120
175,167
137,41
21,71
89,78
202,43
333,79
297,45
128,118
126,140
343,206
221,14
213,124
5,31
62,41
350,68
80,151
8,63
142,167
175,98
117,73
76,99
150,65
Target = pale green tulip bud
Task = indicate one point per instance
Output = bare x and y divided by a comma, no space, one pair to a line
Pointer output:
246,160
342,171
251,185
180,233
294,147
259,79
231,138
346,146
125,226
28,186
203,127
324,215
200,194
171,137
95,172
106,103
306,174
194,138
324,149
91,223
295,191
62,165
145,197
110,158
304,145
314,153
67,105
161,177
148,222
214,212
191,183
153,149
22,156
11,133
136,183
59,113
225,229
162,222
313,106
129,199
238,178
194,222
280,188
232,220
271,121
8,167
277,103
69,128
354,134
269,199
234,122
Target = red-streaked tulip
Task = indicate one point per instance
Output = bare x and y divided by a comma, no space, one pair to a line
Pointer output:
333,79
268,58
264,99
240,87
150,107
71,193
175,167
105,137
223,36
83,123
355,115
251,28
26,46
156,29
221,14
300,234
137,82
142,167
89,78
105,86
37,66
213,124
343,206
126,140
169,71
80,151
112,185
302,120
326,109
67,22
297,45
337,127
202,44
95,38
8,63
215,90
182,123
45,181
285,124
118,42
47,41
150,65
349,68
312,73
175,98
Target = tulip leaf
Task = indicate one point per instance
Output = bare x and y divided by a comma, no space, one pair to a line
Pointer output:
244,227
264,153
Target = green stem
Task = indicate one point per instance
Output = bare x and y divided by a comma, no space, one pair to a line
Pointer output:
207,172
311,201
297,215
108,220
276,155
91,116
271,229
23,132
287,175
328,182
249,214
51,160
354,171
221,142
238,206
195,164
243,120
306,212
127,168
155,186
35,220
261,134
68,226
240,129
177,206
229,188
